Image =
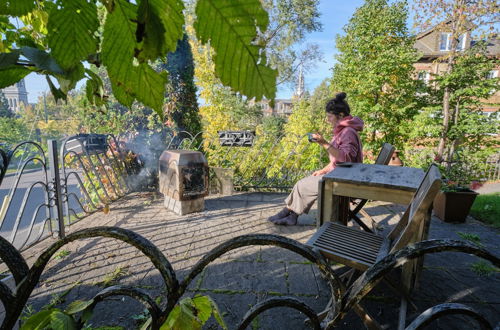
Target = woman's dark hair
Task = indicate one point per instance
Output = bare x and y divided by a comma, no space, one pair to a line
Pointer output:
337,105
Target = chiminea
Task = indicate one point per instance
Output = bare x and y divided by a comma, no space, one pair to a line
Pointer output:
183,176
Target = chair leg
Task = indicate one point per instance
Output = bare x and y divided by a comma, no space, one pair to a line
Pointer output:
402,313
373,222
360,222
368,321
399,289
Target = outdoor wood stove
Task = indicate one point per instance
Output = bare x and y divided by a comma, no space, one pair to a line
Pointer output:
183,176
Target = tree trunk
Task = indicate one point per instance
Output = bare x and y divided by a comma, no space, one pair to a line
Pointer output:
456,30
456,141
446,123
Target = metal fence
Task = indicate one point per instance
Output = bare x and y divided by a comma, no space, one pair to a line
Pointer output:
36,205
46,192
271,162
344,297
80,177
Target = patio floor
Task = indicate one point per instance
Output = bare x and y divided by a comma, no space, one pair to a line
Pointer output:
243,277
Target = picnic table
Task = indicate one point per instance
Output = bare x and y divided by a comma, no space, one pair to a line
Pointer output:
395,184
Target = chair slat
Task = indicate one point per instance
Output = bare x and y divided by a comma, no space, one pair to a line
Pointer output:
337,239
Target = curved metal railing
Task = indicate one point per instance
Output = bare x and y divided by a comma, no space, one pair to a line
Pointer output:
88,182
344,299
272,162
14,213
104,176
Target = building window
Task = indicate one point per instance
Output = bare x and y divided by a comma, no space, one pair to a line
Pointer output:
444,43
15,104
424,76
492,74
461,42
10,103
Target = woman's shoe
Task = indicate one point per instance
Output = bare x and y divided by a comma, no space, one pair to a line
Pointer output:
281,214
289,220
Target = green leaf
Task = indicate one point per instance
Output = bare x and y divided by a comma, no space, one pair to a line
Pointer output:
16,7
118,46
78,306
230,27
150,87
182,317
56,92
129,79
9,59
68,81
160,27
9,76
72,28
62,321
86,315
42,60
203,307
94,88
121,95
217,314
37,321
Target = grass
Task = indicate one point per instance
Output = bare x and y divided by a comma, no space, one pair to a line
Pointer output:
112,278
486,208
61,254
474,238
483,268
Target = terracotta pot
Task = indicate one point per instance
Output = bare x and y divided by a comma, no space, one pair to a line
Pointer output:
453,206
395,160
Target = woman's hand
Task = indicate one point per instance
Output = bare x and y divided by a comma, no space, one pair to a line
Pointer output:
318,138
316,173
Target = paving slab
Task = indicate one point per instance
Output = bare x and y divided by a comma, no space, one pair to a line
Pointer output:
240,278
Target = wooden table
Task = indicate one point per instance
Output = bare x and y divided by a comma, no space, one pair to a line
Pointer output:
394,184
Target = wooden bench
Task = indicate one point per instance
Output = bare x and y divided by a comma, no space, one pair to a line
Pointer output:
360,250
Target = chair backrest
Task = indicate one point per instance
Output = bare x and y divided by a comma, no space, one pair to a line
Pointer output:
412,225
385,154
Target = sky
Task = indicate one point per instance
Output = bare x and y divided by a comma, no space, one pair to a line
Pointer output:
334,15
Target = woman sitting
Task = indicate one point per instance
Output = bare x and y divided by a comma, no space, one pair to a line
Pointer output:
345,146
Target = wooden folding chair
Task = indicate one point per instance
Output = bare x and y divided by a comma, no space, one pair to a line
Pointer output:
360,250
383,158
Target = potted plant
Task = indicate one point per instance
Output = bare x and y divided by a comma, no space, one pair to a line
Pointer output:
454,201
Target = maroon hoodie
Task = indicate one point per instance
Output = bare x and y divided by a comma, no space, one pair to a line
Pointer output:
346,139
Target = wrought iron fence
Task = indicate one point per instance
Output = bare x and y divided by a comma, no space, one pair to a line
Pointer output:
344,299
83,176
40,202
270,163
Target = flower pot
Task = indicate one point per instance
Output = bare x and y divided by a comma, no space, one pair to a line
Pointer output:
395,160
453,206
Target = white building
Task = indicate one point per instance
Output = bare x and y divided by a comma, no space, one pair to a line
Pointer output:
15,95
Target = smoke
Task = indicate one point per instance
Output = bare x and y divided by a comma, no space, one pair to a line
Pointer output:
147,147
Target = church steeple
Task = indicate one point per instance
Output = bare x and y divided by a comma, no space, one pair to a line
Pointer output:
300,90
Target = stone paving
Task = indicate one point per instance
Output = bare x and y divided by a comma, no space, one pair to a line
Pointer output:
243,277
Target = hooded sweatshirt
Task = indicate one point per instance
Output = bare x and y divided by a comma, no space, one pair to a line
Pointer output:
346,140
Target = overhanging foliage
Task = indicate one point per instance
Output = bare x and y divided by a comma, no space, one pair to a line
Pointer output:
59,36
